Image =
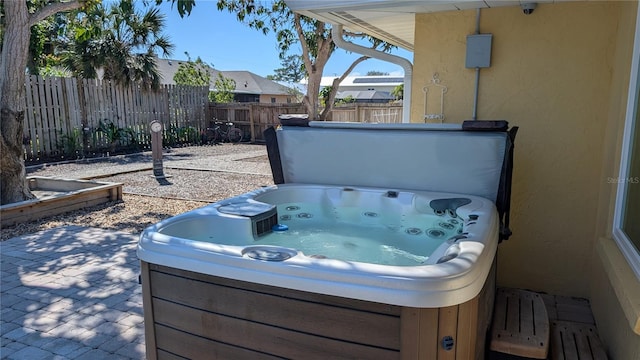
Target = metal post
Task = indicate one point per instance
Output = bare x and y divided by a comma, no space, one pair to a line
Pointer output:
156,149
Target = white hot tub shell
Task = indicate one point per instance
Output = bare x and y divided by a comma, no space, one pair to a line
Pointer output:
400,171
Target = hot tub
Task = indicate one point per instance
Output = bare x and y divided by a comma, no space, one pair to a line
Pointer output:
351,267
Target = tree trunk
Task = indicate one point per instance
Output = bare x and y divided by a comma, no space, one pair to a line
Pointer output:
314,66
328,106
313,91
13,63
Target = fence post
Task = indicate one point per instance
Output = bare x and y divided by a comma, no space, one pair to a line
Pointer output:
86,133
251,124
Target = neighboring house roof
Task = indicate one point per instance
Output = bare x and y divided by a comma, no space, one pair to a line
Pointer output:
169,67
246,81
365,95
374,80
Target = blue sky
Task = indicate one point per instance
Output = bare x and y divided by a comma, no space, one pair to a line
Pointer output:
219,39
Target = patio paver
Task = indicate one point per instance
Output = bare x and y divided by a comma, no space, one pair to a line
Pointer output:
71,292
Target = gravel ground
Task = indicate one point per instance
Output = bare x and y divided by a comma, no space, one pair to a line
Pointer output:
146,200
190,185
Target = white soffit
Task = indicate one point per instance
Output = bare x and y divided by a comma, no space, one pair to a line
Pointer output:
389,20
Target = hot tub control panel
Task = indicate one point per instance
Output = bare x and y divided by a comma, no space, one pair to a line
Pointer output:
263,216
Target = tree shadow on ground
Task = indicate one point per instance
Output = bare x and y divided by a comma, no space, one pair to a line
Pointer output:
131,159
108,208
72,292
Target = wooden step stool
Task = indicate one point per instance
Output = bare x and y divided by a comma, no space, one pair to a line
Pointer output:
575,341
573,331
520,325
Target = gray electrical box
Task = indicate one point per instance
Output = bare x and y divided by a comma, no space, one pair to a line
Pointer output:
478,51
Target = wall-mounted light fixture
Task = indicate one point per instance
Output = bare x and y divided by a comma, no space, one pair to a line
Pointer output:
527,8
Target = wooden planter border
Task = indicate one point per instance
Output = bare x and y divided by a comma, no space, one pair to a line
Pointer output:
75,194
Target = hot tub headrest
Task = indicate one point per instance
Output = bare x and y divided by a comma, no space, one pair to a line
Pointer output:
471,158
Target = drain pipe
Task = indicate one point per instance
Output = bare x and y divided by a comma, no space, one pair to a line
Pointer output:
336,33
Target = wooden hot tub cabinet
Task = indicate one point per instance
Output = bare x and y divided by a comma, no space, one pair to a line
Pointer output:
197,316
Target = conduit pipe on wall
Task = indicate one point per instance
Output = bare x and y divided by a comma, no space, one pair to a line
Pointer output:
336,33
474,115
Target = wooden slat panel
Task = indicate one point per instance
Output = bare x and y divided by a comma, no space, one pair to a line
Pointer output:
527,311
65,109
100,92
447,326
574,309
96,111
485,306
429,341
541,329
569,350
500,317
58,117
180,345
589,345
30,122
526,332
513,313
128,110
38,104
419,334
70,102
466,337
410,330
43,135
165,355
260,337
147,305
310,317
300,295
50,119
575,341
166,106
117,96
175,102
91,121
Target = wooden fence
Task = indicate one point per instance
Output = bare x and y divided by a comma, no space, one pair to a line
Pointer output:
253,118
69,117
63,114
371,113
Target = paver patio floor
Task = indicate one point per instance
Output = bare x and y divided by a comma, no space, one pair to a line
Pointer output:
71,293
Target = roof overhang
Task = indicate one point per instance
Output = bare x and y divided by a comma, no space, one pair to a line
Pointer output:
390,20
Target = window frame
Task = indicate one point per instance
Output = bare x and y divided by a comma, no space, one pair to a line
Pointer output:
631,254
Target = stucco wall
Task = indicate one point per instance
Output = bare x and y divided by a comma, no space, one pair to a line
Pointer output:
550,74
615,290
561,74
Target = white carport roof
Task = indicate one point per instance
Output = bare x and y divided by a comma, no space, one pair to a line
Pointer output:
389,20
